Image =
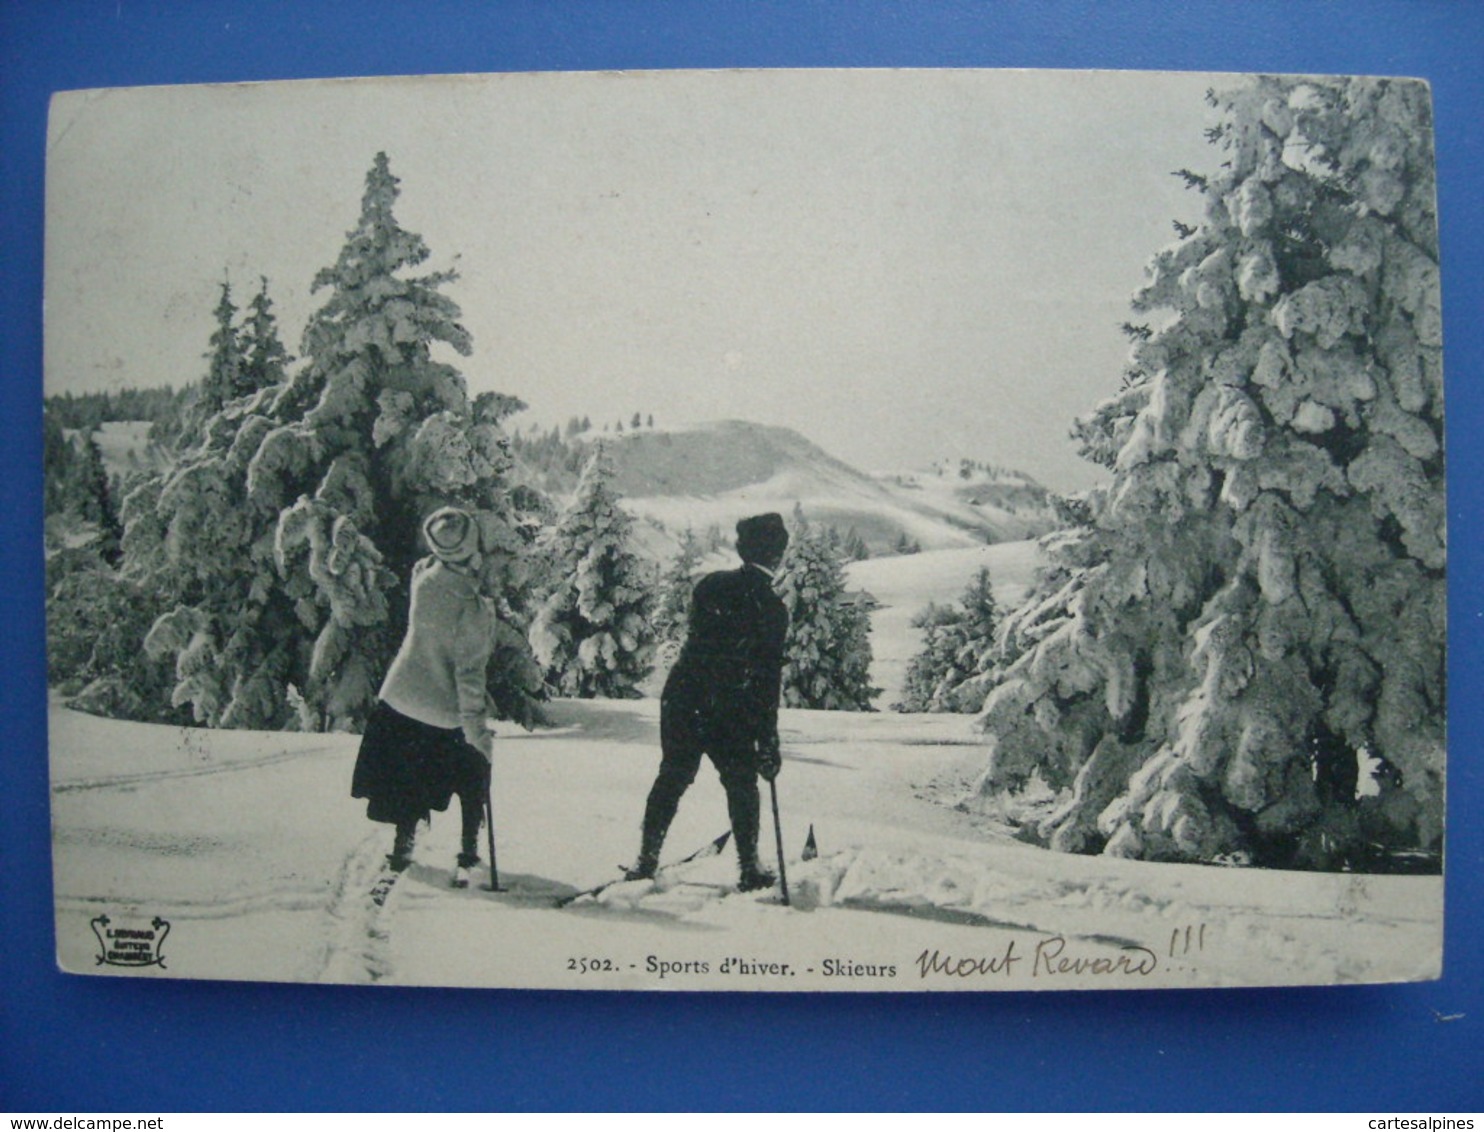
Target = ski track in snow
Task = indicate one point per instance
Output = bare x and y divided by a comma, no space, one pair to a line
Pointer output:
357,950
131,781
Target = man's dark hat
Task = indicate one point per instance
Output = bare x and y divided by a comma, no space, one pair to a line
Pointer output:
761,538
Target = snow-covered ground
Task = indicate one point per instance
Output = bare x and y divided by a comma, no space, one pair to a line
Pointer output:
247,846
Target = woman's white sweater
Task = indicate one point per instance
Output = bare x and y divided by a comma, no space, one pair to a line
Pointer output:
438,677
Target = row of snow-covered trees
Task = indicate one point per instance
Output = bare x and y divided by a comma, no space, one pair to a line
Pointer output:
260,579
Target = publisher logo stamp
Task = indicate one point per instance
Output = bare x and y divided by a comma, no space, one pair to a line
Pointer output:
124,944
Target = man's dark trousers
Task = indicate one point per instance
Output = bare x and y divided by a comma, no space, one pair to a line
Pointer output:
682,744
721,700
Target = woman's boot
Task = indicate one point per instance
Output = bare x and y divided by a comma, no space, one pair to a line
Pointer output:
401,854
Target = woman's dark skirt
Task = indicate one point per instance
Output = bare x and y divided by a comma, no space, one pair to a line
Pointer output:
406,768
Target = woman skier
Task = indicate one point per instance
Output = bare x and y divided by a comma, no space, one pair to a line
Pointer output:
428,738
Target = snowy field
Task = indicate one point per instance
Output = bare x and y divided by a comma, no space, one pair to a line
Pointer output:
248,847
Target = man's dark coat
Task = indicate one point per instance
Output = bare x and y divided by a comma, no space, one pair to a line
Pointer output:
725,683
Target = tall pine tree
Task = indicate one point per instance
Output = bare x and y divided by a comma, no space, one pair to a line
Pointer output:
96,500
1255,603
223,379
265,362
594,632
289,533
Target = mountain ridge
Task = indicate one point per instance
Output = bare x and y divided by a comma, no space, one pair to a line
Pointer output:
715,472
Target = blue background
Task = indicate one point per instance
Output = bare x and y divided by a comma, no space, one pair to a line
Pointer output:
84,1044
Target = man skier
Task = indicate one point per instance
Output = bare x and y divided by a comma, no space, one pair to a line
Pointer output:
721,698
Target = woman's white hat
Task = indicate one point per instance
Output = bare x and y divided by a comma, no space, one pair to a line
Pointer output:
452,534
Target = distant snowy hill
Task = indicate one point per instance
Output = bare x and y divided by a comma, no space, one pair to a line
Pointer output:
1010,503
715,473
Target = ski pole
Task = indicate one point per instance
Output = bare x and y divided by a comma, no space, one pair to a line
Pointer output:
489,817
778,834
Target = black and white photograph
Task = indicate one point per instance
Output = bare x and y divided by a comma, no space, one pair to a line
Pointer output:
812,530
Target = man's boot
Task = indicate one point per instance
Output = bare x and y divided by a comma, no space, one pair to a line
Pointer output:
752,876
642,869
649,849
744,808
468,850
659,812
755,878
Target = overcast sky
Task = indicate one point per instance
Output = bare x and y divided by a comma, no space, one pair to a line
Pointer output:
901,265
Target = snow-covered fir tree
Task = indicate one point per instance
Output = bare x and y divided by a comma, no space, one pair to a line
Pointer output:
827,653
930,664
95,500
1253,610
94,618
594,632
224,370
243,358
223,378
958,647
672,610
265,361
287,535
673,600
854,546
980,626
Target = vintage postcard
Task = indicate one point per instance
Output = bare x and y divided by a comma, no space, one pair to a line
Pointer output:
796,530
